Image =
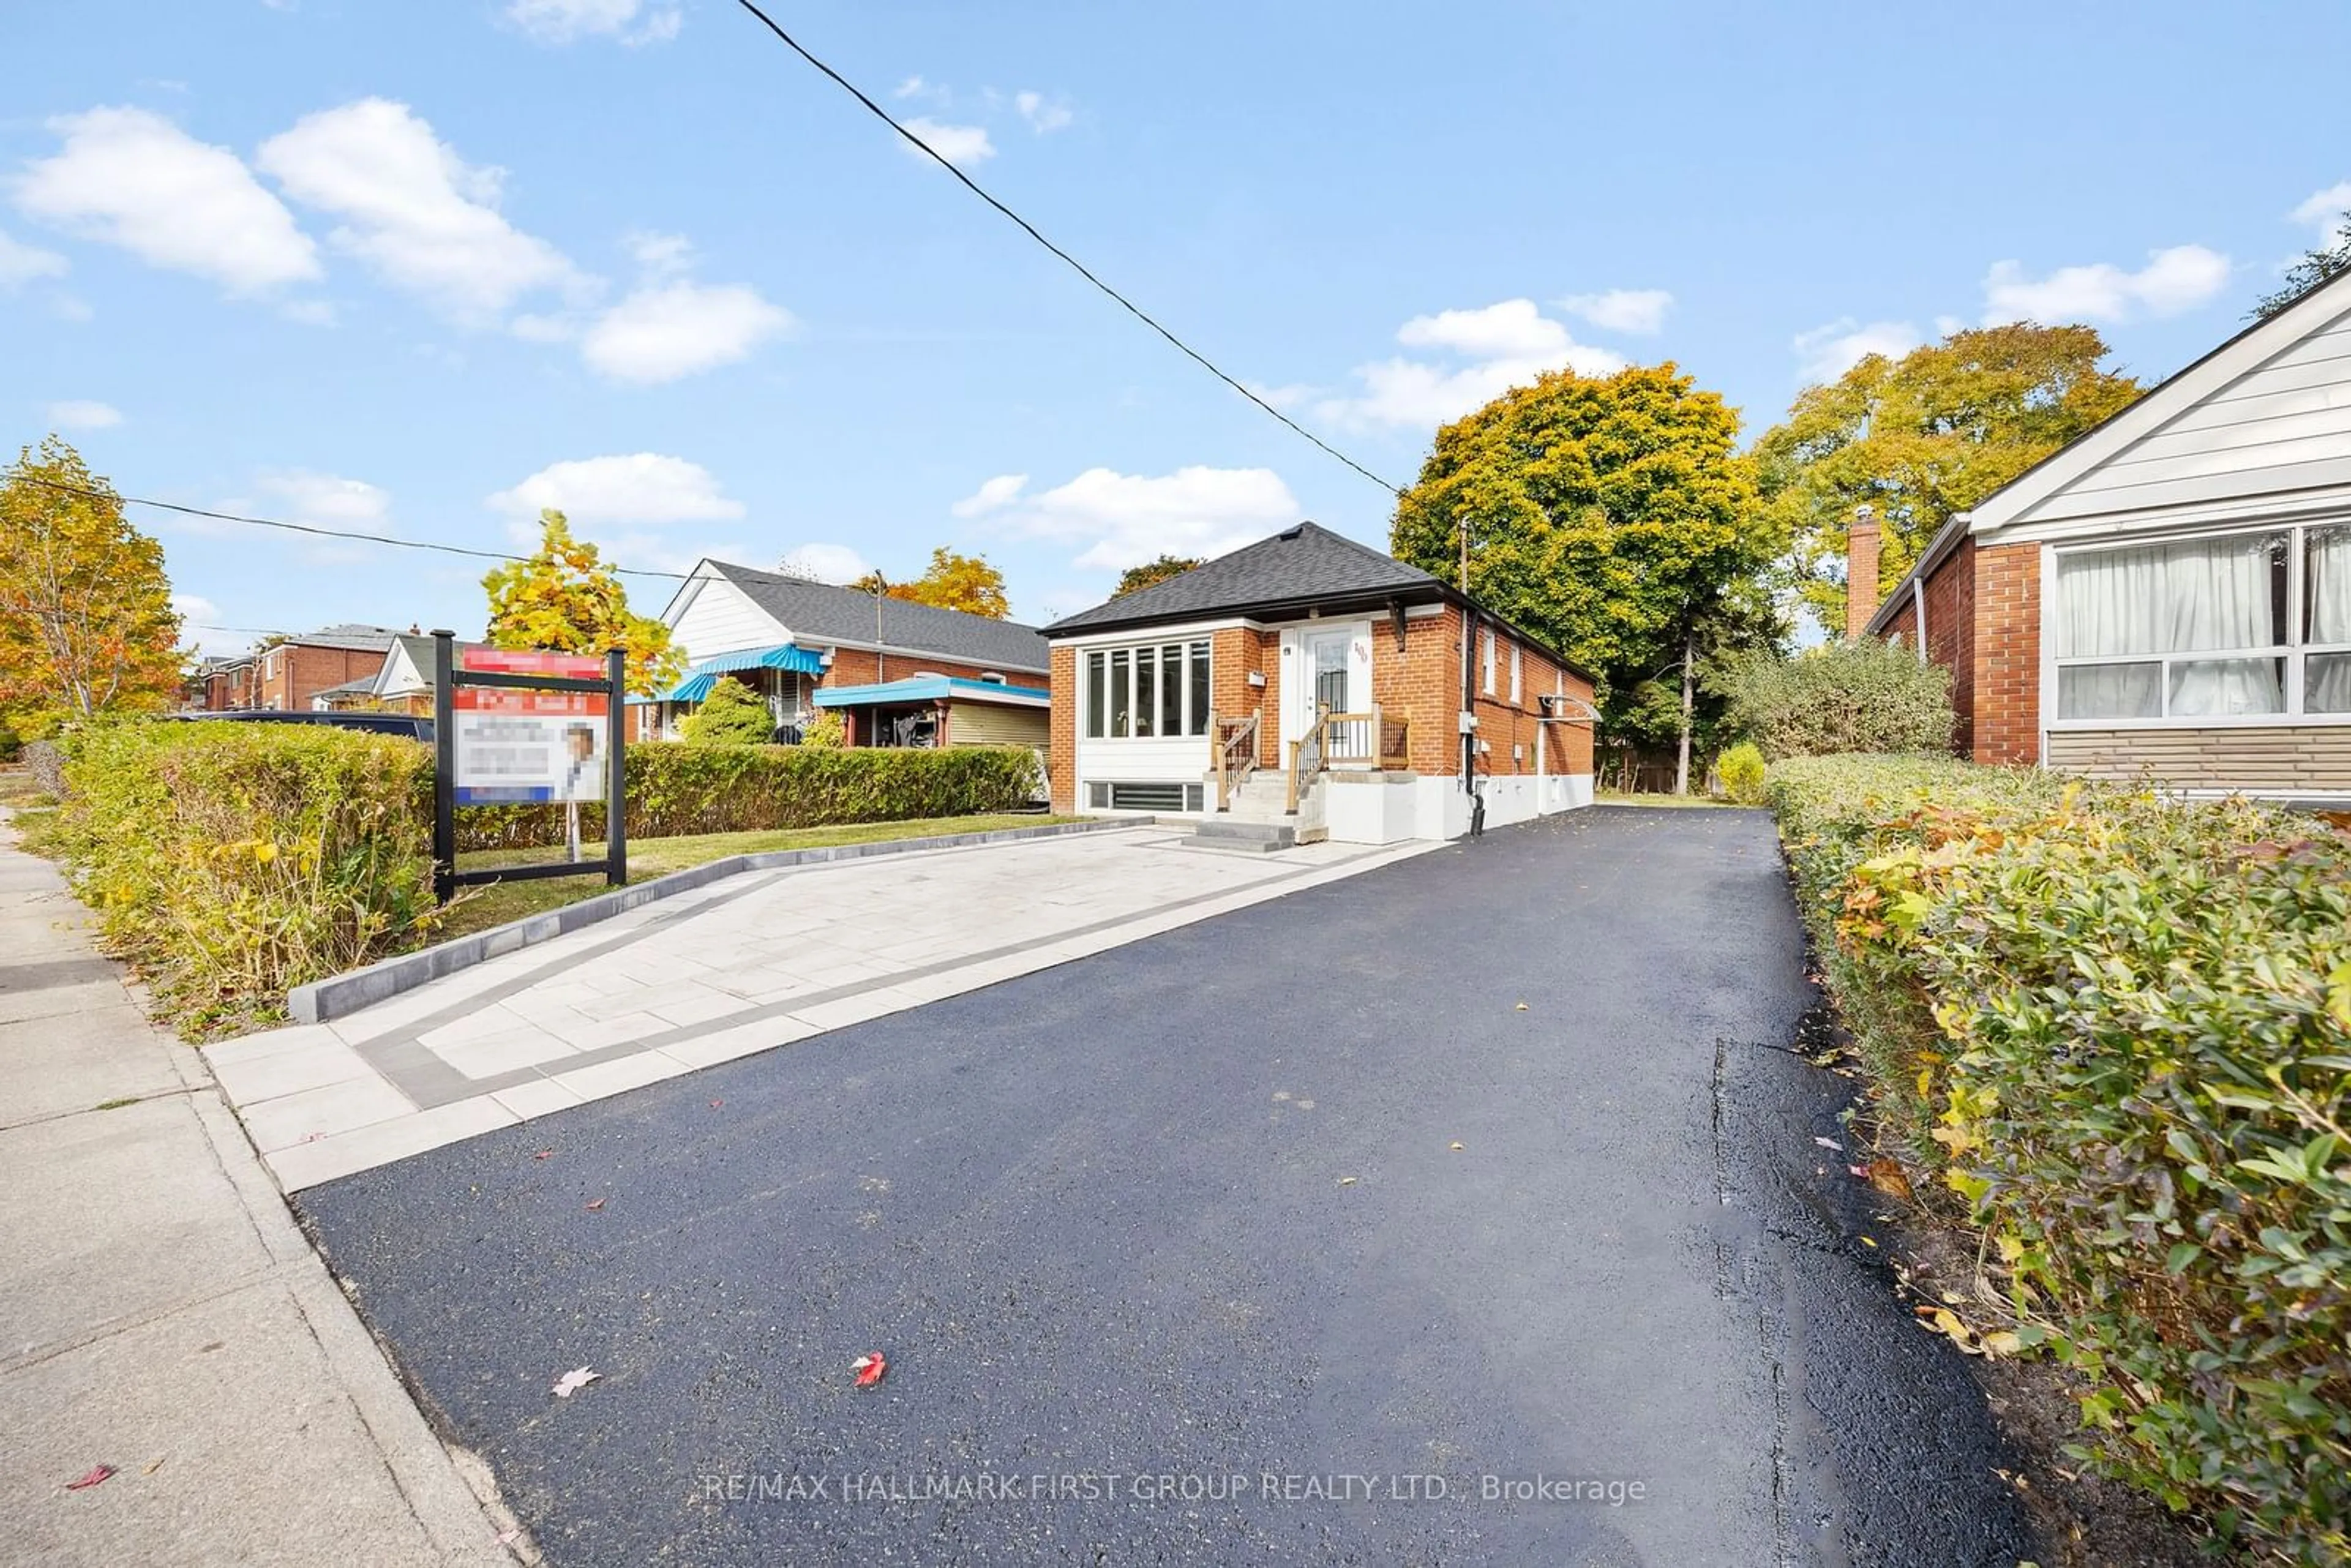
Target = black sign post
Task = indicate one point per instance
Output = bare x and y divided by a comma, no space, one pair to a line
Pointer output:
446,678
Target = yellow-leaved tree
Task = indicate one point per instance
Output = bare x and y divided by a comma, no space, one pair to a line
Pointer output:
953,582
85,619
565,599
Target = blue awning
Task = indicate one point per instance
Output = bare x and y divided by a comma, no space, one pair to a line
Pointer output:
934,688
705,674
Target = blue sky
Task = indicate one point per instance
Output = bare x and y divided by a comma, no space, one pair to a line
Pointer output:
419,268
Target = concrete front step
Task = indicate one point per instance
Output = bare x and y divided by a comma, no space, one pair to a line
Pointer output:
1224,833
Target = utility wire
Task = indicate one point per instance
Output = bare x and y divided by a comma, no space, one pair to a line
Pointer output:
1028,229
312,529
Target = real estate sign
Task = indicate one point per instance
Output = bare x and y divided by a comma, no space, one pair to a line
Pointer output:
518,746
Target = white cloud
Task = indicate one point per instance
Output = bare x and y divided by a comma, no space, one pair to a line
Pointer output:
416,212
1288,396
328,500
997,493
1826,352
658,334
1638,310
825,563
910,88
637,487
1044,118
2180,279
21,264
308,312
1509,344
83,413
1124,519
660,254
200,627
135,180
959,145
2323,210
568,21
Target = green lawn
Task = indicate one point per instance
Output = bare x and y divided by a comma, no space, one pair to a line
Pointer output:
1693,801
18,788
480,908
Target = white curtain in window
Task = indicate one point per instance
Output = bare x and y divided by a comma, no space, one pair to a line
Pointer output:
2109,602
2326,578
2219,594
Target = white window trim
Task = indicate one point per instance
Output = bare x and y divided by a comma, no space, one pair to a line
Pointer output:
1083,682
2292,651
1518,688
1486,659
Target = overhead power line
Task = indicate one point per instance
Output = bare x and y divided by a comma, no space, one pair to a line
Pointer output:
1076,265
316,531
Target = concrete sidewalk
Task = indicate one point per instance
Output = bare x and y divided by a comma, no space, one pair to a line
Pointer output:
161,1313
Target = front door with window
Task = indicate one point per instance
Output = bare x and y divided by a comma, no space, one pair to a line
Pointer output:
1329,670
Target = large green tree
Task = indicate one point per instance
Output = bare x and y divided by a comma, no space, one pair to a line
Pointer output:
1924,436
565,599
1609,515
85,619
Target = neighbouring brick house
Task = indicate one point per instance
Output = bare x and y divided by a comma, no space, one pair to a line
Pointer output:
2169,596
900,674
288,676
1209,693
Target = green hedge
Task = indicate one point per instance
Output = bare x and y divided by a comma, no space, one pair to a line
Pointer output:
675,789
229,861
1863,696
2118,1028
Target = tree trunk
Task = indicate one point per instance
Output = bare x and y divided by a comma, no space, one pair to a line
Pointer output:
1690,677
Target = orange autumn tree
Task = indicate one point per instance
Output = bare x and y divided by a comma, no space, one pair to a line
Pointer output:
565,599
953,582
85,619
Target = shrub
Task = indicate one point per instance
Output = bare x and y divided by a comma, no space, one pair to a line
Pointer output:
731,714
827,729
2122,1027
1740,768
1847,696
675,789
228,861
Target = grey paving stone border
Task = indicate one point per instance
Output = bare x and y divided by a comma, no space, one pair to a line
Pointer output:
340,995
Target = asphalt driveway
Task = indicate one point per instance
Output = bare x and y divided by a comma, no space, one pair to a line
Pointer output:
1180,1250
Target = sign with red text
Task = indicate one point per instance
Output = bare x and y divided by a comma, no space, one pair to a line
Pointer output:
515,746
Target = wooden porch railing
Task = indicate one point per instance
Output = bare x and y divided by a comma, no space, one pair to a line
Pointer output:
1373,739
1232,747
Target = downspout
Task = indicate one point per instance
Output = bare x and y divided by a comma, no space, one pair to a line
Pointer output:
1919,604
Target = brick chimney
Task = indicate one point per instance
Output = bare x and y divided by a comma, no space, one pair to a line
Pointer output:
1861,572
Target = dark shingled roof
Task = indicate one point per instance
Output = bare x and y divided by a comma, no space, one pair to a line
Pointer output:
1305,564
820,613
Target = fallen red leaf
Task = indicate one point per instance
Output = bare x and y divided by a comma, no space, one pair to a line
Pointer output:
95,1474
543,1154
716,1103
870,1368
594,1204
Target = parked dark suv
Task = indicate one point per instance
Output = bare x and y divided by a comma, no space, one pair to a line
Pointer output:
414,727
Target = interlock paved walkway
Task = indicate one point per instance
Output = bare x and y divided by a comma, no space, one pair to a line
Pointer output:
744,965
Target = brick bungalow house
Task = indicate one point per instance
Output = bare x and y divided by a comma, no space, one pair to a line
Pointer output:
900,674
2169,596
285,677
1311,678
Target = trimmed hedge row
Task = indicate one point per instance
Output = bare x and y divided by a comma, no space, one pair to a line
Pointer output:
231,862
679,789
2119,1029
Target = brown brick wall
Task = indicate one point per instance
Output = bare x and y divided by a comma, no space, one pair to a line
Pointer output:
1061,741
304,672
2004,695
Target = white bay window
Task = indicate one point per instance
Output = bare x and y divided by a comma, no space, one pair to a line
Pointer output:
1159,690
2230,626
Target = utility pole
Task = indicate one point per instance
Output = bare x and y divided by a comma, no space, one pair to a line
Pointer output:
881,592
1689,675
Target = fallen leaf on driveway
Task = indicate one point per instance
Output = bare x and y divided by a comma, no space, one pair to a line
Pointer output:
1346,1181
573,1381
90,1477
543,1154
1830,1144
1522,1007
153,1468
1947,1322
870,1368
1457,1148
716,1103
1886,1176
594,1204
